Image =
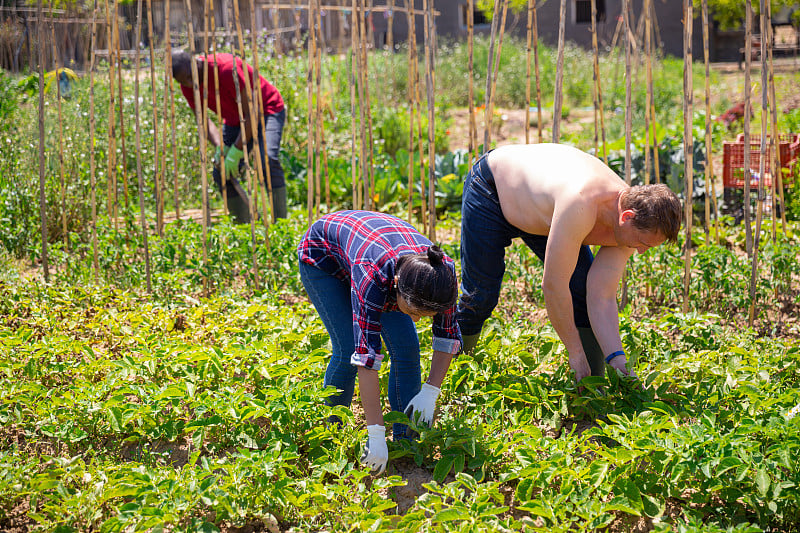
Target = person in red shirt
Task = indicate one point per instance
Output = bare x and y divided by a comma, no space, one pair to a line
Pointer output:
230,145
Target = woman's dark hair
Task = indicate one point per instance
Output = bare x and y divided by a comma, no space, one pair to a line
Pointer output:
181,63
426,281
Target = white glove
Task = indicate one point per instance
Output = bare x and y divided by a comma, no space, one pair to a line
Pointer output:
376,453
423,403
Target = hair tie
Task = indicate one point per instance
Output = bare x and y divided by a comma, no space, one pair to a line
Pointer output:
613,355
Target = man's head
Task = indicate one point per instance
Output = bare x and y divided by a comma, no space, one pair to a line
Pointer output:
648,215
182,67
655,207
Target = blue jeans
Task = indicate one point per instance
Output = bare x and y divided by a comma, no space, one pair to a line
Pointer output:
485,235
331,298
269,144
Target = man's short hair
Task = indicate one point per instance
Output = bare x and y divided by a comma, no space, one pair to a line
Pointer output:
657,208
181,63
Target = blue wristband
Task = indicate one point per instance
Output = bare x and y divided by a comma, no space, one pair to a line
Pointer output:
613,355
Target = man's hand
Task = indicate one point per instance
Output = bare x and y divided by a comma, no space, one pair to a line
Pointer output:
423,403
621,364
376,453
232,159
219,154
580,366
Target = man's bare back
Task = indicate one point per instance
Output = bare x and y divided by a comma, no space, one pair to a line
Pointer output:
535,180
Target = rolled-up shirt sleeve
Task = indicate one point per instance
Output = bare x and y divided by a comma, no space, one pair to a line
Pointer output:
368,295
446,333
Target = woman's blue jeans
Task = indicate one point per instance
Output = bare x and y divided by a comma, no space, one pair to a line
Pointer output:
485,235
331,298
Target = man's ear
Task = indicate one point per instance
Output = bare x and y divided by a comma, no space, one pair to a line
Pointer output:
626,215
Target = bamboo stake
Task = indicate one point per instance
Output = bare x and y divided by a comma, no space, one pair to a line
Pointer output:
430,82
596,79
264,173
748,48
419,134
628,95
367,144
536,72
62,179
318,112
158,190
362,98
42,197
125,189
648,46
390,30
353,168
222,170
709,148
497,62
139,176
201,131
111,189
92,163
688,143
412,93
529,37
623,301
764,18
777,181
473,128
251,102
169,95
313,196
487,122
562,20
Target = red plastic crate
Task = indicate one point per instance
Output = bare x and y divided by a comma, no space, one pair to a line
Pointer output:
733,171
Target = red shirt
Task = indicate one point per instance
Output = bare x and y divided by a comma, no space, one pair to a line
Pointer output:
270,97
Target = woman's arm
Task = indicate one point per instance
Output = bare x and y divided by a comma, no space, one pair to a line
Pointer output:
370,391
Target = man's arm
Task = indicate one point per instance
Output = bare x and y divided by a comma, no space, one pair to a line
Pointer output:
213,133
601,299
569,227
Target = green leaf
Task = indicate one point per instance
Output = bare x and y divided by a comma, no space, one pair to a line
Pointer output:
450,514
762,481
443,467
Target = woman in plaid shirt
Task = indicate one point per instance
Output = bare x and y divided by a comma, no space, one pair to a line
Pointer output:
372,276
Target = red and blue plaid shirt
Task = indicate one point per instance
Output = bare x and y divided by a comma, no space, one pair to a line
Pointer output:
363,247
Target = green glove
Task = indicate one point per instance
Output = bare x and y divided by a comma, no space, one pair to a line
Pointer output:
219,154
232,159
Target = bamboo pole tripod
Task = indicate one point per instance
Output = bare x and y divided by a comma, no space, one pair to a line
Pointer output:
688,145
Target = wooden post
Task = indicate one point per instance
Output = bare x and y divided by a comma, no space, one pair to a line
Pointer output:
353,77
748,48
366,113
313,206
597,92
251,102
159,197
496,69
529,38
412,96
487,120
111,177
122,132
139,176
536,73
648,52
628,111
777,182
430,83
709,144
42,149
562,20
318,150
201,131
169,97
473,128
62,180
222,170
92,163
264,174
762,161
688,144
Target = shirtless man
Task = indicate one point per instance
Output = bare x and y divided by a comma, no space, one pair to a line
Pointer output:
559,200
